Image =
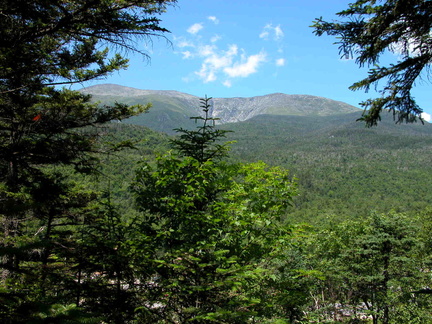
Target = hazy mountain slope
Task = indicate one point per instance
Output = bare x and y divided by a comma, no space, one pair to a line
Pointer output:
172,109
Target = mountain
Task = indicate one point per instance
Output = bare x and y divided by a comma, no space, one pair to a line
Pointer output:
172,109
342,167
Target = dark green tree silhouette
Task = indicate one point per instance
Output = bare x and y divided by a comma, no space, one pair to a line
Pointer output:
372,28
48,133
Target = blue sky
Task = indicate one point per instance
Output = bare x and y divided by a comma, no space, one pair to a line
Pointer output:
245,48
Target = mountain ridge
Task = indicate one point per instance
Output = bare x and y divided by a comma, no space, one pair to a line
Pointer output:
172,109
119,90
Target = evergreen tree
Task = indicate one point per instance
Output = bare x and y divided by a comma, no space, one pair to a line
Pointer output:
47,133
202,143
370,267
372,28
212,244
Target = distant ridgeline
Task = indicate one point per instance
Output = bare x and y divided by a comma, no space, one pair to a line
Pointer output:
172,109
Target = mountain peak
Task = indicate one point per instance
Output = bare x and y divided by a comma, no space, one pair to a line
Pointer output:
228,110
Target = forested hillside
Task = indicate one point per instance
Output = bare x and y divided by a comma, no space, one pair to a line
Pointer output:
270,209
343,168
358,187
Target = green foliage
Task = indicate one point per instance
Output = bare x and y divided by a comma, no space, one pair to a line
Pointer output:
312,265
211,235
372,28
342,167
371,268
106,284
200,144
57,313
48,134
209,242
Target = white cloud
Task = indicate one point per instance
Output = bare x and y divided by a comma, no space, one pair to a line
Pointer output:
233,50
214,19
187,54
411,44
215,38
248,66
215,61
195,28
206,73
187,79
280,62
275,32
426,117
227,83
181,42
226,63
279,34
206,50
264,34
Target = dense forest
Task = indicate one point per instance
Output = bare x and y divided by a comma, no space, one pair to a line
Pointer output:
317,221
338,247
342,167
